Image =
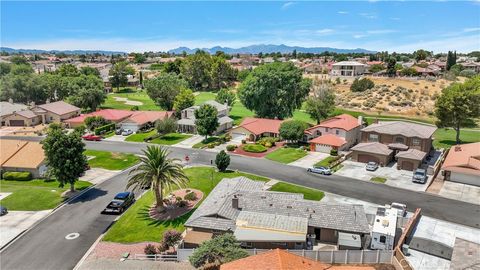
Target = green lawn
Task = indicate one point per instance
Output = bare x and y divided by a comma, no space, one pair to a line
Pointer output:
148,104
325,162
136,226
139,137
286,155
35,195
378,179
111,160
171,138
254,148
204,142
201,97
308,193
445,138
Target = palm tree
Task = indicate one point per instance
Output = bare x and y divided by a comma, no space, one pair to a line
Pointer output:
159,172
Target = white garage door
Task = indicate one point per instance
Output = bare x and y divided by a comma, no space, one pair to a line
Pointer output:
133,127
465,178
323,148
237,136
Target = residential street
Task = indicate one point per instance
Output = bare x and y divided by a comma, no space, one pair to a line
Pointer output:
45,246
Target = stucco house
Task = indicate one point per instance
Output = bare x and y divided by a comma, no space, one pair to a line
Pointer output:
253,128
54,112
142,119
187,122
22,156
268,219
339,132
348,69
462,164
404,142
8,108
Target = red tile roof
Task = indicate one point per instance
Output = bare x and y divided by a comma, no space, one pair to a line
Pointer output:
274,260
329,139
261,125
463,158
108,114
342,121
143,117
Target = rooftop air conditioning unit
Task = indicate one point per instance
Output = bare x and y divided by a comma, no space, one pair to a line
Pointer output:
406,249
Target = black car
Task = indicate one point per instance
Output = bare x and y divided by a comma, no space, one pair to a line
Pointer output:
3,210
121,202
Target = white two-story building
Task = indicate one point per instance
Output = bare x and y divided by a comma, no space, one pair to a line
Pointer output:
187,122
348,69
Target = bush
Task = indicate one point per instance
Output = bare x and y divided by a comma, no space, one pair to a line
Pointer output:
268,140
182,203
150,249
469,73
80,129
93,122
17,176
210,145
333,152
104,129
222,160
221,249
166,125
244,141
254,148
361,85
231,147
191,196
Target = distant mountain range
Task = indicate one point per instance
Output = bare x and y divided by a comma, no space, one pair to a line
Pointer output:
269,48
33,51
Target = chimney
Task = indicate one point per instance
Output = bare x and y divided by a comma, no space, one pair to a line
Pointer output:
235,202
360,120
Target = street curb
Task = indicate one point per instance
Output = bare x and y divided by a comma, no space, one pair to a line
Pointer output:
92,247
57,208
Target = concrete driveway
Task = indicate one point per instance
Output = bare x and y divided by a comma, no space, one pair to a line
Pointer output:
309,160
396,178
116,138
15,222
188,143
462,192
98,175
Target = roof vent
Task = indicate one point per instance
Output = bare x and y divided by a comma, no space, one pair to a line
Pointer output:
289,207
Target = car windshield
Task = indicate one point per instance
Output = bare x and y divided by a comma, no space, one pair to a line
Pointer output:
420,173
371,163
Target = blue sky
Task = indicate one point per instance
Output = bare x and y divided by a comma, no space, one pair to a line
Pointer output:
145,26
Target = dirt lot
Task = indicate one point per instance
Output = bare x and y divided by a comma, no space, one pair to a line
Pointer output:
392,96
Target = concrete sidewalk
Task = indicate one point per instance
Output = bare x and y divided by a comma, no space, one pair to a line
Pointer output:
190,142
309,160
97,175
15,222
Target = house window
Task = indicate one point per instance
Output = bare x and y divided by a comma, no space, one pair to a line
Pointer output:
399,140
51,118
283,244
416,141
383,239
373,137
326,129
319,133
337,131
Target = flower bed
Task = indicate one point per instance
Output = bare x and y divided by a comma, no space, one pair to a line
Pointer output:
254,148
175,208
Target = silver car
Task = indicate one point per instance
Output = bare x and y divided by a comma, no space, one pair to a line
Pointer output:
127,132
419,176
320,170
371,166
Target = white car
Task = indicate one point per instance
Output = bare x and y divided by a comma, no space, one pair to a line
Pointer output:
320,170
401,208
127,132
371,166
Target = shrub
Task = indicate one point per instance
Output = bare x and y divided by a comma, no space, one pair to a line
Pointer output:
469,73
171,238
222,160
17,176
292,130
268,144
80,129
166,125
210,145
244,141
182,203
93,122
333,152
231,147
134,108
254,148
150,249
162,247
361,85
191,196
104,129
265,140
221,249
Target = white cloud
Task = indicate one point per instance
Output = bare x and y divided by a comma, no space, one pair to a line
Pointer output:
368,15
359,36
380,32
342,12
325,31
287,5
473,29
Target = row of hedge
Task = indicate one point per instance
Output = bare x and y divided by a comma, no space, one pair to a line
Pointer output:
104,129
17,176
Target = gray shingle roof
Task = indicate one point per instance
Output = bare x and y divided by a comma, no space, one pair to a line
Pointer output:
406,129
373,147
344,217
411,154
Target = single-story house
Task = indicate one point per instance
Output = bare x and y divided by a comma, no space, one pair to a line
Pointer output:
462,164
141,119
59,111
339,132
8,108
112,115
26,118
22,156
268,219
254,128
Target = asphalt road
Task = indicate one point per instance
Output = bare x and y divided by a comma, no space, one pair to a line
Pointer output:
45,246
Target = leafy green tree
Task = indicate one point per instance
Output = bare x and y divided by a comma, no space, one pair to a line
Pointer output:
206,120
139,58
197,70
67,70
140,77
5,68
376,68
183,100
159,172
242,75
219,250
226,95
173,67
24,88
222,160
171,238
456,69
458,105
292,130
166,125
420,55
164,88
360,85
93,122
89,71
119,73
90,94
18,60
451,60
64,156
391,70
410,71
223,74
274,90
322,103
21,69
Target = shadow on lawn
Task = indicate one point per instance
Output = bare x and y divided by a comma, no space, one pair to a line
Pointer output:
143,214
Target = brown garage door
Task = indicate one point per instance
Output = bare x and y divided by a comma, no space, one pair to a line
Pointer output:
366,158
17,123
407,165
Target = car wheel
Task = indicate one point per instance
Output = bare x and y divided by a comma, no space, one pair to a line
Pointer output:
308,170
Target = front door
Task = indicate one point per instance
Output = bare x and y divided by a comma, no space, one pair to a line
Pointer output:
317,233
